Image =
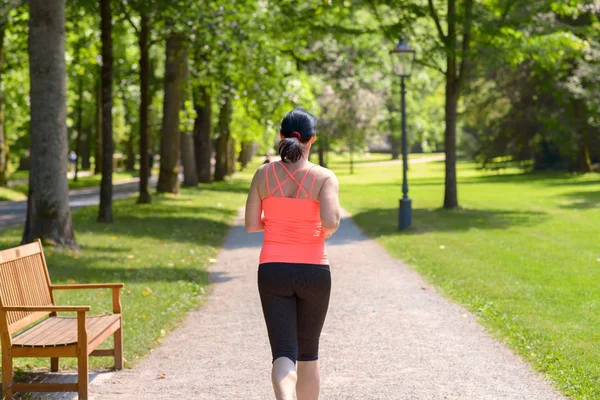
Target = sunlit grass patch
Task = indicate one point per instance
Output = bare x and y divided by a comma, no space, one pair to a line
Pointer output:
522,253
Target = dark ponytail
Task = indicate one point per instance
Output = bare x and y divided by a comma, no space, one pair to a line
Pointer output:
298,127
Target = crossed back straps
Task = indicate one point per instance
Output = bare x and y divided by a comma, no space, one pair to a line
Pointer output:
292,177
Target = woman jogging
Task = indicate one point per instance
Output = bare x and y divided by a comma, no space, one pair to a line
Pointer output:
296,204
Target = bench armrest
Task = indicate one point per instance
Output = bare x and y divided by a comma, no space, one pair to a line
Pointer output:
47,308
116,291
88,286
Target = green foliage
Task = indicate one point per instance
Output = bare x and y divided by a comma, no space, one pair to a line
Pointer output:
537,91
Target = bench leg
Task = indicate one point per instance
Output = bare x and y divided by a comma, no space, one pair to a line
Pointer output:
118,336
7,375
54,364
82,375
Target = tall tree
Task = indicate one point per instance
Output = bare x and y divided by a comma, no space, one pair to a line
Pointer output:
146,10
144,43
188,156
170,142
106,188
457,62
48,212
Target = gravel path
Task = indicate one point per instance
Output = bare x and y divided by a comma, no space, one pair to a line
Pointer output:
13,213
388,335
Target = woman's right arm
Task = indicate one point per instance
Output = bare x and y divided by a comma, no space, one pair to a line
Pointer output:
330,204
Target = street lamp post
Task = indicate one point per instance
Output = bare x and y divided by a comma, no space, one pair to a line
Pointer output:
404,60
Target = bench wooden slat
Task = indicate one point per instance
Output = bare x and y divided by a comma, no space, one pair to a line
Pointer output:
21,251
62,331
31,334
45,387
60,351
48,334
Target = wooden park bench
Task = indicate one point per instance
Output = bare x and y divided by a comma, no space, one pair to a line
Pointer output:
27,308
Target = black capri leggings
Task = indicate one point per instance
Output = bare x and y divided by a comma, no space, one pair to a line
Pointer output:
294,300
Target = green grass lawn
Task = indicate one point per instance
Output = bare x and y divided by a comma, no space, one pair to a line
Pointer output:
160,251
19,192
340,161
523,254
9,194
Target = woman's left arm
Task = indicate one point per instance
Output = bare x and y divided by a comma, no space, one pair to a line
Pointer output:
254,222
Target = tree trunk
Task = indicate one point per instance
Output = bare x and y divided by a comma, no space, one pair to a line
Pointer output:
322,155
106,188
130,161
144,197
79,125
452,94
170,141
3,145
246,154
48,212
221,157
223,146
188,157
451,192
394,145
98,136
85,145
584,163
190,178
202,134
231,156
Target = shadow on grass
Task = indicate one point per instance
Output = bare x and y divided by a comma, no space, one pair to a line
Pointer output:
382,222
235,186
549,178
88,270
582,200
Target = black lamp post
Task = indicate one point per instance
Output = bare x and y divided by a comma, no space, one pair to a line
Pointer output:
403,58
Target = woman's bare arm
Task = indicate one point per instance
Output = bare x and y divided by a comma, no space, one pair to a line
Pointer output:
254,222
329,204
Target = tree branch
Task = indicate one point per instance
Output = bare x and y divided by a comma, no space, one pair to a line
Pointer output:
432,66
381,25
123,6
436,19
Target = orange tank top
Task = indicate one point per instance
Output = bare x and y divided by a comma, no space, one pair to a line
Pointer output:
293,230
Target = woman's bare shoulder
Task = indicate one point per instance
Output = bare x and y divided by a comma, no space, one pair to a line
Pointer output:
324,173
260,171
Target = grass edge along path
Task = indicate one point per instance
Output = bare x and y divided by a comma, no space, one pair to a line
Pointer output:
522,256
160,251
